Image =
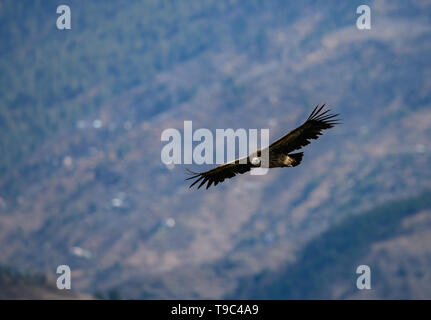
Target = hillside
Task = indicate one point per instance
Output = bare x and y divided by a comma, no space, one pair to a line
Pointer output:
82,111
18,286
392,239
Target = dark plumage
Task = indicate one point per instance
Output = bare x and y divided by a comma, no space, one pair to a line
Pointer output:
279,151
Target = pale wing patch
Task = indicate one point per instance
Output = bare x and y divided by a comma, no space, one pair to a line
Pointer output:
288,161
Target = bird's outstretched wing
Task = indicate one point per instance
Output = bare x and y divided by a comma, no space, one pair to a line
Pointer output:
311,129
220,173
296,139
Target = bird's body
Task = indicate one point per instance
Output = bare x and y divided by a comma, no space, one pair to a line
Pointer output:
279,152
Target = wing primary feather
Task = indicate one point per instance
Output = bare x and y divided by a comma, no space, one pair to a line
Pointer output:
320,109
327,117
312,113
203,182
196,181
316,113
323,113
193,177
209,183
192,172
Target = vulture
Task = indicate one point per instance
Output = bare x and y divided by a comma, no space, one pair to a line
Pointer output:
279,152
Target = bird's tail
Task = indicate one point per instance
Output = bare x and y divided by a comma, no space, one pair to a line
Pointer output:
297,158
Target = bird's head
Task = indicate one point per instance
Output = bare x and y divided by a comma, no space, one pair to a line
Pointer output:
255,161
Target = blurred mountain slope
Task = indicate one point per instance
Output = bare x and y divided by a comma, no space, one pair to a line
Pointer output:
391,239
92,192
110,50
15,285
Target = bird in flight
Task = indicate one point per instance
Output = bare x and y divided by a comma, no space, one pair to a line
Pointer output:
279,151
